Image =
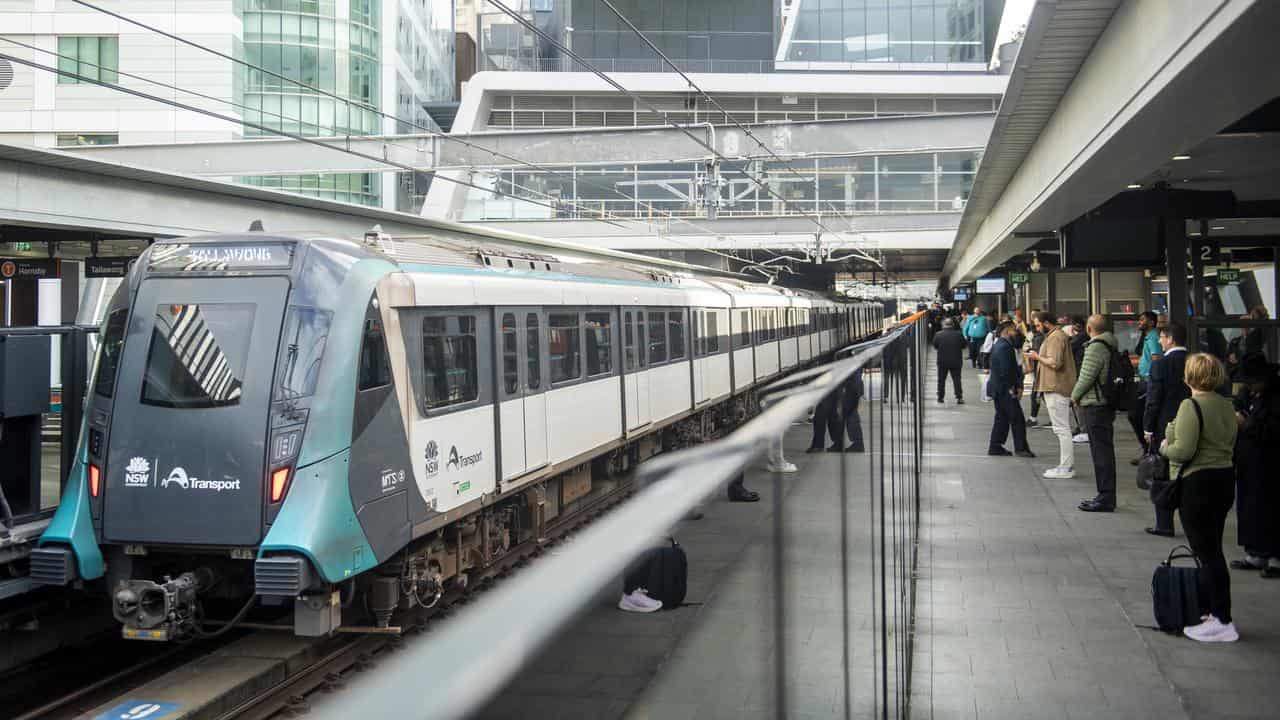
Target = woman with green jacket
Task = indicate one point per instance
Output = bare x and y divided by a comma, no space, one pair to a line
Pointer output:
1199,448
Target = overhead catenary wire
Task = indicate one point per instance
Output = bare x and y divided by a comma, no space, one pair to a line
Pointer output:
298,83
728,116
649,106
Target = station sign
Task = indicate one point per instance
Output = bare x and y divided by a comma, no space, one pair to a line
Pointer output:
107,267
1208,253
1228,276
1019,277
18,268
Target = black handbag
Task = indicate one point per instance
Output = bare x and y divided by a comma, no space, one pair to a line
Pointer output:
1167,494
1151,469
1175,592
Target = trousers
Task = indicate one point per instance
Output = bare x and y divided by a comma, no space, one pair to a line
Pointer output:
1136,410
1008,417
1207,496
1059,407
975,347
826,421
954,373
1099,422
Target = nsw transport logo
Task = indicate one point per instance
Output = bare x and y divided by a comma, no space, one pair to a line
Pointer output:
432,454
137,473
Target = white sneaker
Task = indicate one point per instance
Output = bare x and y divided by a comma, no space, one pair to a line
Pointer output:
785,467
1080,438
639,602
1059,473
1212,630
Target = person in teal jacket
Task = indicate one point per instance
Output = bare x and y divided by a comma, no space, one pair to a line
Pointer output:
1148,350
975,331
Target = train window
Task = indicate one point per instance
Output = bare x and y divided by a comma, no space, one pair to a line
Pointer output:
375,364
788,322
532,353
197,355
599,344
109,352
744,328
450,374
565,345
306,331
675,321
711,333
814,314
628,343
510,354
657,338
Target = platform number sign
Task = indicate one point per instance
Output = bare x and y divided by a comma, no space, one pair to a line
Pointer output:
138,710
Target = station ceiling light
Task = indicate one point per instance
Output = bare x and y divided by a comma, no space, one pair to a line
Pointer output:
1183,156
1134,186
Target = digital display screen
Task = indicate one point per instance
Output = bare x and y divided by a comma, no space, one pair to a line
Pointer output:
990,286
193,257
962,294
1112,242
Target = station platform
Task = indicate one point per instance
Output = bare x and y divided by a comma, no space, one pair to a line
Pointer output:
1026,607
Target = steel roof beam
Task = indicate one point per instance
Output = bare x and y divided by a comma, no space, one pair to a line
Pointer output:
555,147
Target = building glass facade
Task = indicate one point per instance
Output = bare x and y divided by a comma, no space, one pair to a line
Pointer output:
897,31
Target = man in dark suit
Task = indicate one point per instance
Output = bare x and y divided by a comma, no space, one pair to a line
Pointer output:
1005,387
1165,392
950,345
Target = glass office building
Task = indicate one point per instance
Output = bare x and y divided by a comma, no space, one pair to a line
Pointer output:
342,48
879,31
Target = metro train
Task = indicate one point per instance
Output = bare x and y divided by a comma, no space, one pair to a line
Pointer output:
350,426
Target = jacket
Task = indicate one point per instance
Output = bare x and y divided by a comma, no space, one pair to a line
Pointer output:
950,345
1093,371
1078,341
1165,392
975,327
1061,380
1006,374
1149,347
1212,445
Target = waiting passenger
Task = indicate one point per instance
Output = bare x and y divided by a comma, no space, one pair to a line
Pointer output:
1257,492
827,421
1149,351
1073,326
738,491
777,460
1005,387
1099,415
1165,393
949,344
1199,445
850,398
1056,379
975,330
1034,342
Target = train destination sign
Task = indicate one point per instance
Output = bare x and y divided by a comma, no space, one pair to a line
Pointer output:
16,268
221,256
106,267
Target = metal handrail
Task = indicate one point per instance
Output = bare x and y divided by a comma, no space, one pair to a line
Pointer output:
477,652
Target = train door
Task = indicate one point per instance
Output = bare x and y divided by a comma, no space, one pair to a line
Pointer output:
635,380
522,404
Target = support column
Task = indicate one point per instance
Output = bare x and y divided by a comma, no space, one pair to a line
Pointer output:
1175,243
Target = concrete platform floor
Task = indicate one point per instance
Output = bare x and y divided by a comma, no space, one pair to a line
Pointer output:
1029,608
1026,607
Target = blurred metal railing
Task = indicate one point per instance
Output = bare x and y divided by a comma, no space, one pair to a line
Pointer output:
471,656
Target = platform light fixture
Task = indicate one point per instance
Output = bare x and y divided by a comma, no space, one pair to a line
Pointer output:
1134,186
1182,156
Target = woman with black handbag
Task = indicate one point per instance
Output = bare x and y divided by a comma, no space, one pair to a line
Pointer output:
1199,444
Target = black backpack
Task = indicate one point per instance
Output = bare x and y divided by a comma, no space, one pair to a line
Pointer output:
664,574
1117,388
1175,592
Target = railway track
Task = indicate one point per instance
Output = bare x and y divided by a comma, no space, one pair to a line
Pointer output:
93,670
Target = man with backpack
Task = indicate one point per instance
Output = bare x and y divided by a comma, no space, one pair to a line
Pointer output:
1096,393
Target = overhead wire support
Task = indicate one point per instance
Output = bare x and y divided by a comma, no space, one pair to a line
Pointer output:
425,129
727,115
649,106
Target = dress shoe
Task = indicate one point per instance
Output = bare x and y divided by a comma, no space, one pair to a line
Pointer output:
737,493
941,401
1095,506
1024,453
1159,532
959,401
998,451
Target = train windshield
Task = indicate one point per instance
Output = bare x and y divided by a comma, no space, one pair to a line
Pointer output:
197,355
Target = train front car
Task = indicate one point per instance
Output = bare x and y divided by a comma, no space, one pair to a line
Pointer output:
224,405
